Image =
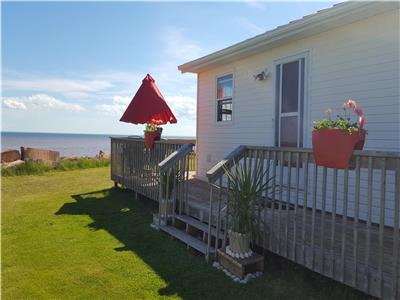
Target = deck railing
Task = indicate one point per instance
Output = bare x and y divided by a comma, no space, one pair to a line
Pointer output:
174,172
137,168
343,224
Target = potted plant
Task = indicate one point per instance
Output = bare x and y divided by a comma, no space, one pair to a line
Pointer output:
335,140
246,185
152,132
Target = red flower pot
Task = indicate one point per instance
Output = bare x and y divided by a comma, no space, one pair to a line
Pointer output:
150,137
333,148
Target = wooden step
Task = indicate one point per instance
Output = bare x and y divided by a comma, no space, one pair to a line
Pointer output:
186,238
199,225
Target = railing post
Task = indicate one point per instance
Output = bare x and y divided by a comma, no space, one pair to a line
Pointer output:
382,224
395,266
160,199
355,223
303,227
218,217
209,224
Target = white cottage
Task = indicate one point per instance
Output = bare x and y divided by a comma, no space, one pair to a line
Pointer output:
348,51
264,94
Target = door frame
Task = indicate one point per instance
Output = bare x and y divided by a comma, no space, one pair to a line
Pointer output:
306,112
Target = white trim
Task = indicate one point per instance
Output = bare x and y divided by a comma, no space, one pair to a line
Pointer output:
307,99
197,124
279,104
290,114
339,15
293,57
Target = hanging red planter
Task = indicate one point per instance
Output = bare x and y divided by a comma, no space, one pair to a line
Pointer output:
333,148
150,137
335,140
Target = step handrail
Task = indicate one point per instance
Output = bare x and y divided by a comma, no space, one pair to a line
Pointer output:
179,180
174,157
217,170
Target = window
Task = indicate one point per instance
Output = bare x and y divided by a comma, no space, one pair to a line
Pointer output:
224,98
290,102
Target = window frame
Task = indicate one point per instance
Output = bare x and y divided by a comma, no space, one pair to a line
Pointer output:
217,100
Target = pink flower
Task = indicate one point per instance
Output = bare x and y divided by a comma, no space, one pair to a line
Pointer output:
358,111
350,104
328,113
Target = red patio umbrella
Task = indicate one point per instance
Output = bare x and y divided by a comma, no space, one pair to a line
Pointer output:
148,104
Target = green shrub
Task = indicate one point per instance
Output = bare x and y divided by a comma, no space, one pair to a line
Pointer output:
28,168
38,167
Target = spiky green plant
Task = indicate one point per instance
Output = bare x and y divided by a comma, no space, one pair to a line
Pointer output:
246,186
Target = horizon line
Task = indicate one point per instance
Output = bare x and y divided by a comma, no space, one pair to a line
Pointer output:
88,133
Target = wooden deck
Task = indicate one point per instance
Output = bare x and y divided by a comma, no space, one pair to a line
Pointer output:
343,224
322,244
322,249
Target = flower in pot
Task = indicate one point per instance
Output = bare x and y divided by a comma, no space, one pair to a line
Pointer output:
152,132
246,186
335,140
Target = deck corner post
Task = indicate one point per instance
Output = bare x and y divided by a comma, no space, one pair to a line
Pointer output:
209,224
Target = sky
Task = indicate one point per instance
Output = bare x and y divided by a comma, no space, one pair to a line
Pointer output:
73,67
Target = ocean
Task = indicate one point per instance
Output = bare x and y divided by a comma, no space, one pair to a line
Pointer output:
67,144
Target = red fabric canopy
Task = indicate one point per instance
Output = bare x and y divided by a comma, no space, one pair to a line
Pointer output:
148,104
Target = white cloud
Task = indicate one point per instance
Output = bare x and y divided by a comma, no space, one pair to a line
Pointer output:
40,102
109,91
111,109
256,4
252,28
117,107
79,87
43,101
175,48
72,88
182,106
13,103
123,100
178,47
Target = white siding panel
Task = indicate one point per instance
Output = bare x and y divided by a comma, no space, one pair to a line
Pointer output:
358,61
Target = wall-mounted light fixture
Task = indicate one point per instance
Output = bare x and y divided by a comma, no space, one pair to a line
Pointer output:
261,76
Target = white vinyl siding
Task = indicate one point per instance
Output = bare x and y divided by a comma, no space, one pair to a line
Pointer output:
358,61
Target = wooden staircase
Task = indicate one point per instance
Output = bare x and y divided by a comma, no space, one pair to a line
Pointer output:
192,231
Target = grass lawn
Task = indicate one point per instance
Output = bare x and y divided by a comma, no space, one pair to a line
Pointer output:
71,235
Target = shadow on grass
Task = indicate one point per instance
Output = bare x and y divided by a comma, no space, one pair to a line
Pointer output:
186,274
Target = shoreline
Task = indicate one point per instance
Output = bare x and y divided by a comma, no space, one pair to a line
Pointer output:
67,144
